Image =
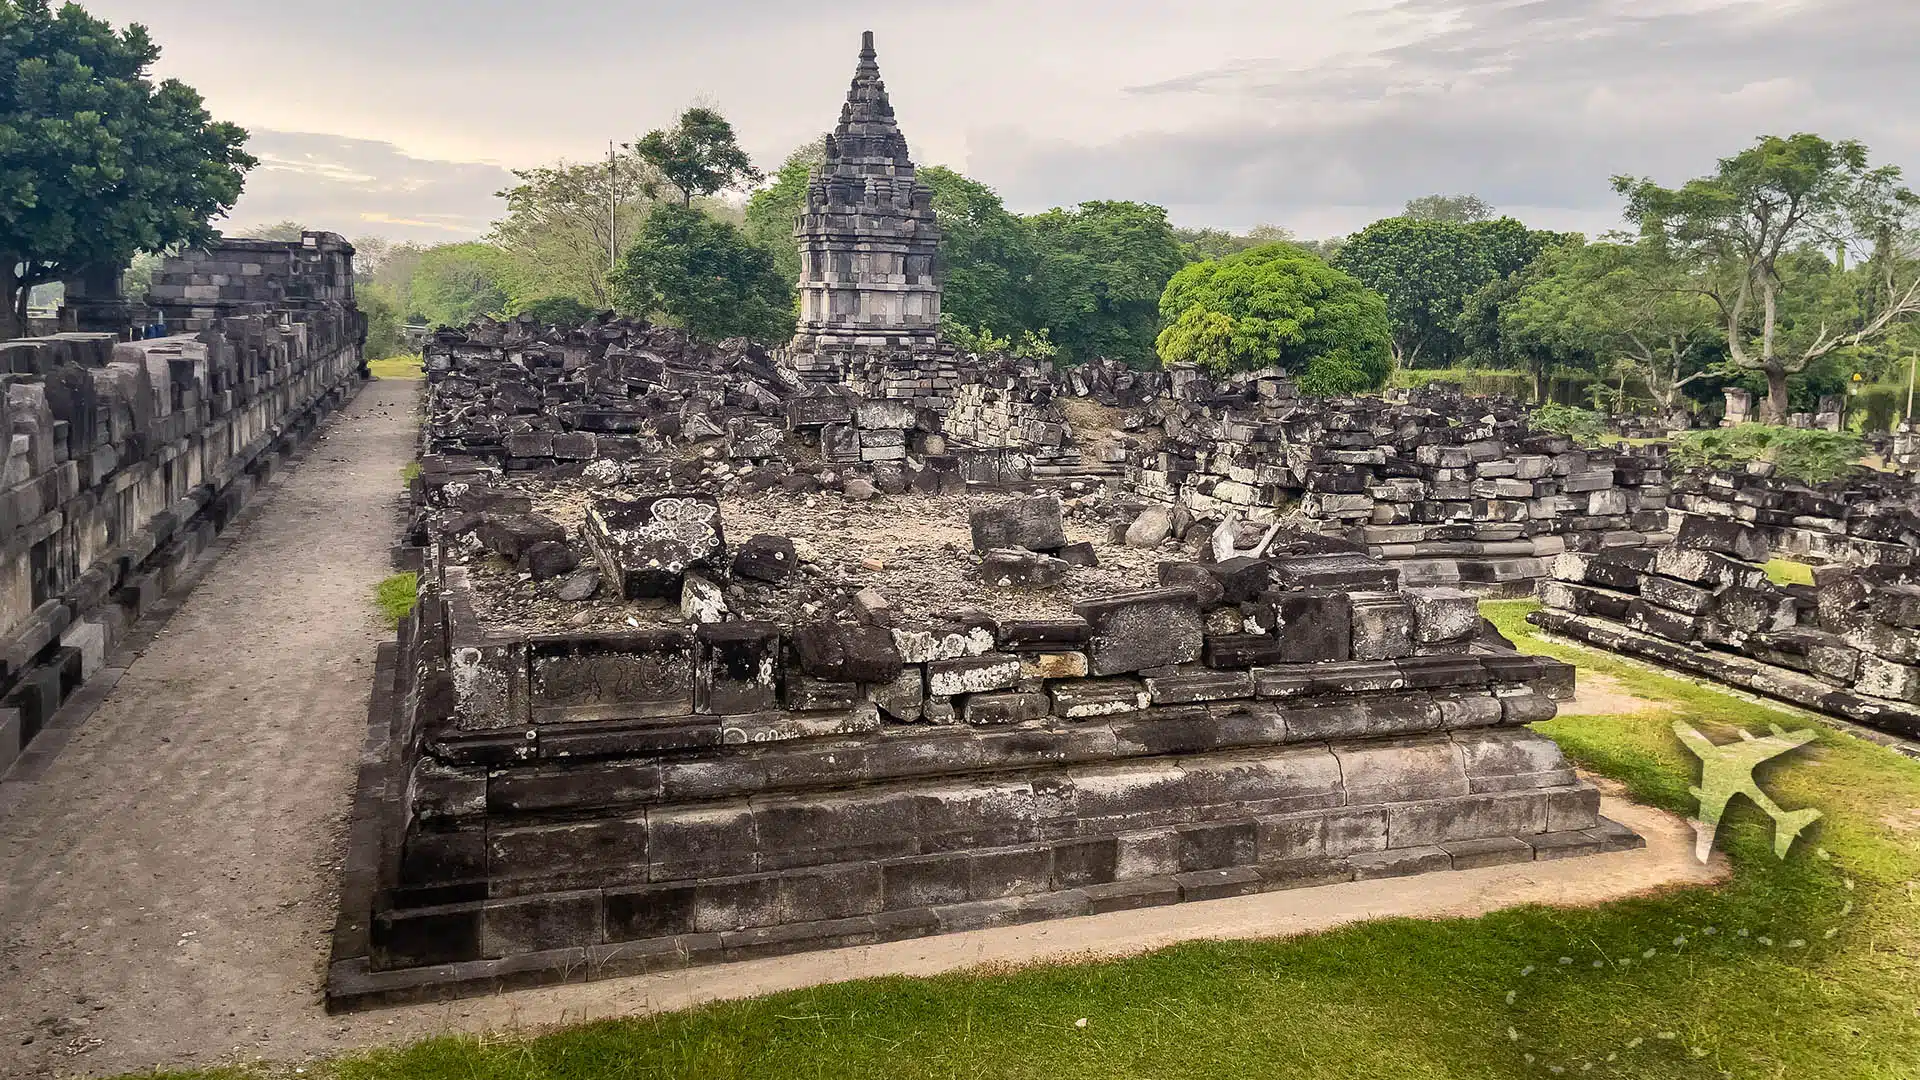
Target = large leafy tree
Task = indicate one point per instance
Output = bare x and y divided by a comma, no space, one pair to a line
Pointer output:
1099,272
1459,208
565,222
706,275
699,155
1427,269
96,160
1278,305
986,256
1743,235
453,284
773,211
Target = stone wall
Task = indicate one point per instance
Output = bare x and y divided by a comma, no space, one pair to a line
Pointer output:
120,462
1866,518
1848,647
239,276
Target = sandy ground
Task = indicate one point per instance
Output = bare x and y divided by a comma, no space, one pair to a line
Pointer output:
1599,694
166,887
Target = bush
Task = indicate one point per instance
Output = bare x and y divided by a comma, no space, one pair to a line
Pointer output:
1879,407
555,310
1277,305
1584,426
1807,455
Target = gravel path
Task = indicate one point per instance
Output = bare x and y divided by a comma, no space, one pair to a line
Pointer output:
166,886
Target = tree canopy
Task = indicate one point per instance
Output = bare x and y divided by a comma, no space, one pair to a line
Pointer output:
454,284
1099,272
986,256
773,210
699,155
1427,269
1456,208
1749,237
706,275
96,160
561,229
1278,305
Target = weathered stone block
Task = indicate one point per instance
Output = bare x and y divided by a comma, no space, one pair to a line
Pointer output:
1136,631
846,652
645,545
1091,698
1382,626
1003,708
1032,523
973,674
1734,538
769,559
1442,614
612,677
736,667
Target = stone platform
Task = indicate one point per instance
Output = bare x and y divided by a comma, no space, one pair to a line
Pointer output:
545,807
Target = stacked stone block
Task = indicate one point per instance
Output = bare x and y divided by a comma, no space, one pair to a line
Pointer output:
571,805
1865,518
1460,491
1849,647
119,462
234,276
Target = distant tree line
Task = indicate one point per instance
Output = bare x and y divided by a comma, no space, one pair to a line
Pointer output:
1792,270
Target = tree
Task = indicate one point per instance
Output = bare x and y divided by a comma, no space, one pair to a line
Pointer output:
1428,269
283,231
384,337
1099,272
1455,208
561,227
555,310
699,155
705,275
98,162
1736,234
986,255
773,211
454,284
1278,305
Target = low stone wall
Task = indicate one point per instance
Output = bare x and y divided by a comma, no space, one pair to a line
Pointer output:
120,463
1848,647
1864,519
1458,491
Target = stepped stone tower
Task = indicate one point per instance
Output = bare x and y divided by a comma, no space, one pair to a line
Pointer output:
868,241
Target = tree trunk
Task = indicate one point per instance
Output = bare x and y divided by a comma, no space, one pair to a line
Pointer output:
13,318
1539,385
1775,410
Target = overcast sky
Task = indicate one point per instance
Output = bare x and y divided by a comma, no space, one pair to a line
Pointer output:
401,118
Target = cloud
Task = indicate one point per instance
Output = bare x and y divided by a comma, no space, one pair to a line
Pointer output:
360,186
1530,103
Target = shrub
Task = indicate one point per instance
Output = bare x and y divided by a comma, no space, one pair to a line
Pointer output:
1808,455
1583,426
1277,305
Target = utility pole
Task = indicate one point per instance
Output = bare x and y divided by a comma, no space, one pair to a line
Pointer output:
613,209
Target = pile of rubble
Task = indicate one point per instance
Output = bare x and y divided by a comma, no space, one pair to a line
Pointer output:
1866,518
1848,646
1460,489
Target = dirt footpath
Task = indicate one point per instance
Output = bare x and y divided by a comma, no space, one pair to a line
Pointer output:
166,888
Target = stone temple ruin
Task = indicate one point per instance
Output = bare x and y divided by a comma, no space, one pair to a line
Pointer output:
722,653
121,461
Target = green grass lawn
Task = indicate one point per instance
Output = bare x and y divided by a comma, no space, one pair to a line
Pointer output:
1800,969
396,595
398,367
1788,572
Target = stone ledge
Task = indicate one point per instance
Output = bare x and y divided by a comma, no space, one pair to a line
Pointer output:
352,985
